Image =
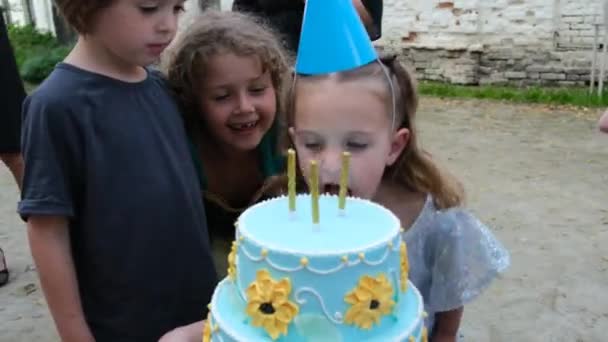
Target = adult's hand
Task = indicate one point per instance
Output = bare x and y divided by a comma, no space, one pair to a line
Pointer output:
188,333
603,122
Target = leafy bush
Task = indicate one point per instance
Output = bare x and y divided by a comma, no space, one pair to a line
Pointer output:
36,52
28,41
35,69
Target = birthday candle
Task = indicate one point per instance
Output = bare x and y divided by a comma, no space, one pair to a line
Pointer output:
291,178
344,180
314,190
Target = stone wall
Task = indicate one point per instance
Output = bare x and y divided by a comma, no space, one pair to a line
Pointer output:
521,42
575,24
545,42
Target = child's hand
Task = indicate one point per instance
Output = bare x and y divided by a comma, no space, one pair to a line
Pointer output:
188,333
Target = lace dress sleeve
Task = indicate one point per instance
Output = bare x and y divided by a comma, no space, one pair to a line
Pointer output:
465,257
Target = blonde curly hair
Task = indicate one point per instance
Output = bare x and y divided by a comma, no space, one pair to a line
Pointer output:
214,33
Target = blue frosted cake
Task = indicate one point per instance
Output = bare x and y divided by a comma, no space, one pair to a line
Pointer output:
343,279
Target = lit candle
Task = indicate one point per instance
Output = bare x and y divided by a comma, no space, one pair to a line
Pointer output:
344,180
291,179
314,190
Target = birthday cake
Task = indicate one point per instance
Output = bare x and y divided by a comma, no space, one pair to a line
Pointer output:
344,278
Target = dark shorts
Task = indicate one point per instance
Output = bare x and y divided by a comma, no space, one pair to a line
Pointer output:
12,95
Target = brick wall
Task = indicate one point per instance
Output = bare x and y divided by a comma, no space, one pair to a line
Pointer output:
546,42
471,41
575,24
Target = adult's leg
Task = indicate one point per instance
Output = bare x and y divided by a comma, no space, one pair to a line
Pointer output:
13,94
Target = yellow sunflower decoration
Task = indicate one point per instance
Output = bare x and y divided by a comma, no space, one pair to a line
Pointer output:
405,267
232,261
207,329
268,304
370,300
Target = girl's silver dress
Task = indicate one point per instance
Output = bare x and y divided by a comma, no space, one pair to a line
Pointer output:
453,257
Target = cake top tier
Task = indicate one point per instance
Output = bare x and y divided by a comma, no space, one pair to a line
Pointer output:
361,226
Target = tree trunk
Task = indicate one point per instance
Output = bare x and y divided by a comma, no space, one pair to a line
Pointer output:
5,8
28,16
65,34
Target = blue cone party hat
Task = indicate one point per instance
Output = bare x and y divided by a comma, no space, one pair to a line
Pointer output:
333,38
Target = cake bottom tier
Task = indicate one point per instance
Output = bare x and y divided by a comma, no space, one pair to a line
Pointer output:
230,323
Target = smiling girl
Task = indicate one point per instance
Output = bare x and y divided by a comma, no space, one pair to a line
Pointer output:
227,73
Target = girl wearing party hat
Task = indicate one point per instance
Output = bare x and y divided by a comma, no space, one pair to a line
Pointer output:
346,99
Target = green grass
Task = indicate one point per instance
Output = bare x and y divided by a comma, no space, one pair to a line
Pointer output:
36,52
546,95
553,96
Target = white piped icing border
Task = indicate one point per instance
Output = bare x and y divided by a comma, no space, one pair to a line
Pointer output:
342,264
336,318
221,325
391,246
242,231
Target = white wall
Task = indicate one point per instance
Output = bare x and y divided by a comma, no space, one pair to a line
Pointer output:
42,13
460,23
448,23
226,4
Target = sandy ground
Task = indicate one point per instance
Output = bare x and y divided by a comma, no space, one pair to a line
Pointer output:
537,175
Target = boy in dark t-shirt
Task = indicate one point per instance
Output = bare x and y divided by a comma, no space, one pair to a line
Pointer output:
114,211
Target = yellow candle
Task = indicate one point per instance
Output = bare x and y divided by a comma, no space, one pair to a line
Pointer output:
291,178
314,190
344,180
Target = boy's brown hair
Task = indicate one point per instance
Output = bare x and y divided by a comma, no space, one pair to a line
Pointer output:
213,33
79,13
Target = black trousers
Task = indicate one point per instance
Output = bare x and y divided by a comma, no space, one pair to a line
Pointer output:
12,95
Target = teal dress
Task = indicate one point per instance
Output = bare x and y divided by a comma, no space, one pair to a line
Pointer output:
220,215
